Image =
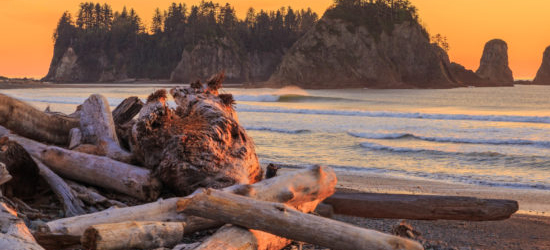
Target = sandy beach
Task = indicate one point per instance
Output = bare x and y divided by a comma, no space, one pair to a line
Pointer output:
527,229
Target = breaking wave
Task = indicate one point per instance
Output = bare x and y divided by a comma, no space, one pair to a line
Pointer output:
278,130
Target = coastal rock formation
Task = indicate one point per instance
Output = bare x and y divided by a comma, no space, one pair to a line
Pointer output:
543,75
333,55
466,76
240,65
70,67
199,144
494,63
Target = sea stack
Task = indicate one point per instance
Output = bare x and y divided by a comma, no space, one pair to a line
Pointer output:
543,75
494,63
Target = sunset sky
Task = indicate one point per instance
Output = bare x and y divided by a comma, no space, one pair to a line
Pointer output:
26,28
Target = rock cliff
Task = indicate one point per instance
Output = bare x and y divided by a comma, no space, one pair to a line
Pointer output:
97,68
332,55
543,75
240,65
494,64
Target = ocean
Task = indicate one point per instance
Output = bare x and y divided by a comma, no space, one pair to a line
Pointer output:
481,136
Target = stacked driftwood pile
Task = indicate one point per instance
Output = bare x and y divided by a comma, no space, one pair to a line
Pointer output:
97,179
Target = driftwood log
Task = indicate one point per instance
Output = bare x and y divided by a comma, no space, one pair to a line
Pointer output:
127,110
72,205
98,128
421,207
14,234
299,188
133,235
32,123
22,168
199,144
94,170
5,175
283,220
234,237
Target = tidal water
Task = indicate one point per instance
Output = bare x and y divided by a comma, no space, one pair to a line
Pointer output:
483,136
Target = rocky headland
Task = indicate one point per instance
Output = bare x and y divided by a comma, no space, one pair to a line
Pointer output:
543,75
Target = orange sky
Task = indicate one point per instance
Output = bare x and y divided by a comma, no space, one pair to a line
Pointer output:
26,28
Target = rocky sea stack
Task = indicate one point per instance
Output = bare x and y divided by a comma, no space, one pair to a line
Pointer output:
349,47
493,66
543,75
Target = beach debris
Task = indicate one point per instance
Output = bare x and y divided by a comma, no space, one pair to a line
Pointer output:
283,220
21,167
199,160
421,207
405,230
198,144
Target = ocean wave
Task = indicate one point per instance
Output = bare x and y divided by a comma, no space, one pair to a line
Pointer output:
287,98
391,136
380,147
493,118
278,130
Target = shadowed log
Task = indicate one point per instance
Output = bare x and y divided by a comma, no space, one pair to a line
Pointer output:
94,170
14,234
306,184
71,204
200,144
283,220
21,167
421,207
30,122
127,110
98,128
133,235
4,174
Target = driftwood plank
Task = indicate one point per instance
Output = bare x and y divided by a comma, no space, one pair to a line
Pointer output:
421,207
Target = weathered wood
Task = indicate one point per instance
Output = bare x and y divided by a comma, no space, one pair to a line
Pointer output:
94,170
198,144
21,167
127,110
4,174
32,123
91,197
72,205
133,235
14,234
98,128
238,238
421,207
75,138
283,220
54,242
308,182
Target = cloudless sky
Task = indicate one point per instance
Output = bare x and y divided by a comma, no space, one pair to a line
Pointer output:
26,28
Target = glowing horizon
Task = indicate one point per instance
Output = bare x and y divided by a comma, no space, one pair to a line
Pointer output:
27,46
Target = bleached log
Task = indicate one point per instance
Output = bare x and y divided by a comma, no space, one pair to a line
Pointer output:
308,183
94,170
98,128
238,238
14,234
30,122
421,207
127,110
71,204
283,220
133,235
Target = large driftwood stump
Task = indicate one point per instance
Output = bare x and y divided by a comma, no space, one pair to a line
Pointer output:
127,110
14,234
199,144
21,167
283,220
30,122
